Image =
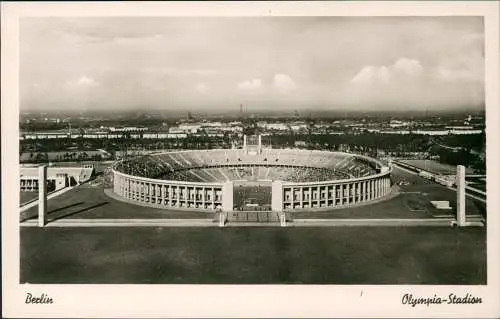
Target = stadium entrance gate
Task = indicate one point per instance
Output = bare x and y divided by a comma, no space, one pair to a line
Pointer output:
252,203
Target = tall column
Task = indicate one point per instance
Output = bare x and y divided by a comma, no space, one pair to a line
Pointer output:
310,197
178,190
170,195
130,189
360,192
186,195
42,196
355,192
143,191
301,197
137,188
364,195
341,194
120,187
318,195
292,191
227,196
460,180
372,194
164,194
348,192
213,198
259,149
115,184
203,190
334,195
277,196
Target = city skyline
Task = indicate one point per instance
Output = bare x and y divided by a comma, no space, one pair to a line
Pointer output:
279,63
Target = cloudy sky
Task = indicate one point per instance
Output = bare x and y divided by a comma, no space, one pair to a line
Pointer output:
263,62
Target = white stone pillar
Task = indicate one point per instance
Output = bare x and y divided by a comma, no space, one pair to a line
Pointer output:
355,185
460,180
213,198
163,194
115,185
178,197
363,191
372,189
310,197
334,195
42,196
301,198
150,194
318,195
170,196
277,196
227,196
259,149
203,190
341,194
186,196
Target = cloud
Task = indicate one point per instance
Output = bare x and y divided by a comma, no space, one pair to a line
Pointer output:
408,66
250,85
370,74
283,82
83,81
465,68
456,75
158,61
201,88
179,71
202,71
402,68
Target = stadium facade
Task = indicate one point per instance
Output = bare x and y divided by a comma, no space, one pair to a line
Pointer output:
206,179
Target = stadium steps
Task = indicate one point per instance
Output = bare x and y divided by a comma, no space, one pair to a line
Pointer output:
253,217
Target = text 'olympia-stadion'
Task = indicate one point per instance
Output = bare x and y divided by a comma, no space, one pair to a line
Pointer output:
211,179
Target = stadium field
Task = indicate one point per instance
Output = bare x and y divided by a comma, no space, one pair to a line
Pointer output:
254,255
435,167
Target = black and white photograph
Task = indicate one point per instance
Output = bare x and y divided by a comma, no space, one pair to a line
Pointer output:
251,151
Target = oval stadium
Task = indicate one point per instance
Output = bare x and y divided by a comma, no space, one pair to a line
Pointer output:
252,178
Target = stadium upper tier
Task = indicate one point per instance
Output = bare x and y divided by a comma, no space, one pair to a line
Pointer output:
236,164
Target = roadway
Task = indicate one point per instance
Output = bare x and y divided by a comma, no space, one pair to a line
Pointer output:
449,187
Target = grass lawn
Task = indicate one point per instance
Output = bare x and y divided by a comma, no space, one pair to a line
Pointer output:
91,202
248,255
